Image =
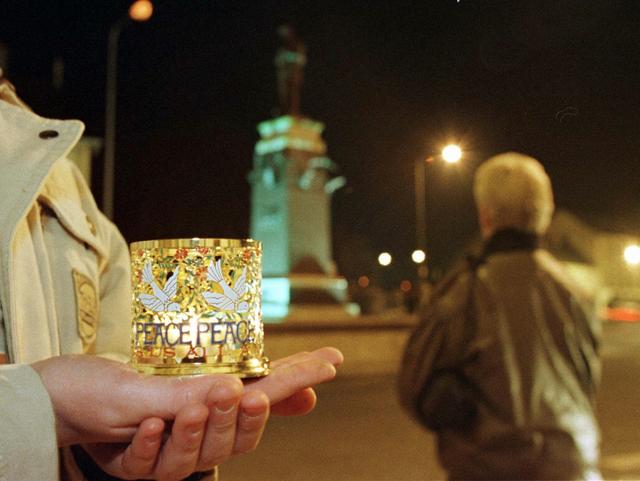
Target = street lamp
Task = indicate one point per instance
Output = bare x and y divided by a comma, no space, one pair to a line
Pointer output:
632,254
451,154
418,256
384,259
139,11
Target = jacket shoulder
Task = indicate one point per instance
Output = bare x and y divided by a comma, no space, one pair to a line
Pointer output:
449,294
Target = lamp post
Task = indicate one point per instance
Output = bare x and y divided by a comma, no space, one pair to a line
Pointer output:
451,154
139,11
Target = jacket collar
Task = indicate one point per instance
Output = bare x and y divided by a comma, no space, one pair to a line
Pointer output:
29,146
505,240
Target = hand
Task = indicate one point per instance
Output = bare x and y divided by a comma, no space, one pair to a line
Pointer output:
202,436
287,388
98,402
214,419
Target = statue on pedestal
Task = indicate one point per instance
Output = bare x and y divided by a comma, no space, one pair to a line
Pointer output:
291,186
290,60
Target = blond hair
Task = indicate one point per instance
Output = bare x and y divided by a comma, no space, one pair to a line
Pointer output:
515,191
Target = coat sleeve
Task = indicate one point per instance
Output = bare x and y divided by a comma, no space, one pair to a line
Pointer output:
420,357
429,347
27,434
588,339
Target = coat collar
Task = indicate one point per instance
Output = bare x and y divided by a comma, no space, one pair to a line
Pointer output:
510,240
29,146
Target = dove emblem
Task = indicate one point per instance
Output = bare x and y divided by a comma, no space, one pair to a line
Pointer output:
161,298
230,299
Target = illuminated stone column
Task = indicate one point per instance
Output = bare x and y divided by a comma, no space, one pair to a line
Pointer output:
291,215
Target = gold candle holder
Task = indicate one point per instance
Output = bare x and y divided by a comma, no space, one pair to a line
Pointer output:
197,307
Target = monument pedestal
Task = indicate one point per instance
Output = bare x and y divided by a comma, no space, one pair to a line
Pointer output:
292,183
310,297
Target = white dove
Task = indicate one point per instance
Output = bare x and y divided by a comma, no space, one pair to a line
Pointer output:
230,300
160,300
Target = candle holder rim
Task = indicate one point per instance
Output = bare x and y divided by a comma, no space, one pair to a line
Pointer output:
194,242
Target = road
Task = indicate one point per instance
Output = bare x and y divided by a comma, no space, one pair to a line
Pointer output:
359,433
619,401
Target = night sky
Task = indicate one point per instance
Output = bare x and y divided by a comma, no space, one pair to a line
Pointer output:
392,80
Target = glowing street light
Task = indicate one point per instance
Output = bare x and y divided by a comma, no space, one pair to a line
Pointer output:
632,254
140,11
418,256
384,259
451,153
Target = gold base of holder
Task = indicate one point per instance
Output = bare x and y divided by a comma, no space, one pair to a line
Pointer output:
243,369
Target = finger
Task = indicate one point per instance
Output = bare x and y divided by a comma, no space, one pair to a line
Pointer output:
252,419
333,355
163,397
302,402
139,459
287,379
180,453
220,434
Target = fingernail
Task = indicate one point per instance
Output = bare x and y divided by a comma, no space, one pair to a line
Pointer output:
224,389
256,404
225,407
252,414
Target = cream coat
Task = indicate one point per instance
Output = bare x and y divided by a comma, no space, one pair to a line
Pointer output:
64,278
27,436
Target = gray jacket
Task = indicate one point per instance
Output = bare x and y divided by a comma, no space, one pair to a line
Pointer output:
532,359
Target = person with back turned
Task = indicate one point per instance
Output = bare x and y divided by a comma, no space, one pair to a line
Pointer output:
504,364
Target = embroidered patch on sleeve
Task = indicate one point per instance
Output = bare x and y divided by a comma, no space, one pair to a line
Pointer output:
86,310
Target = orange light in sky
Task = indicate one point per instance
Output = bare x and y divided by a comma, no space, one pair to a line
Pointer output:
141,10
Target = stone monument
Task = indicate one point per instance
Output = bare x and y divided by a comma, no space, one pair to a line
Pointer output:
291,186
